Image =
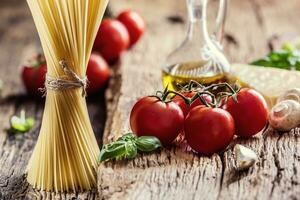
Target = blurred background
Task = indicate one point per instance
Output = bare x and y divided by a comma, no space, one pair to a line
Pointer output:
250,26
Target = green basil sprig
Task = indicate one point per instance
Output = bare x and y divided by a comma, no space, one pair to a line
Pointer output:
21,124
128,146
286,58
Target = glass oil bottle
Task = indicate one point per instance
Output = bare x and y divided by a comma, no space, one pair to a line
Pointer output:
200,56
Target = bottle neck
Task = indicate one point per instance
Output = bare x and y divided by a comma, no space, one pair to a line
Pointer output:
195,11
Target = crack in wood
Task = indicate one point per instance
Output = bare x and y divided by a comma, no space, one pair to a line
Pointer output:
278,177
257,12
222,174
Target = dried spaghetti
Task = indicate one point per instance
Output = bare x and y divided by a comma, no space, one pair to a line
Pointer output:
65,156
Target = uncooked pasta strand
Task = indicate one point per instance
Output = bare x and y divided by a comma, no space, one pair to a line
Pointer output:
65,155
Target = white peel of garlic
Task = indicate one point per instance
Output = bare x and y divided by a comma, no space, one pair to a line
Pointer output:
285,115
244,157
292,94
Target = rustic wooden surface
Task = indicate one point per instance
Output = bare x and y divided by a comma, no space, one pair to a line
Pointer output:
18,42
172,173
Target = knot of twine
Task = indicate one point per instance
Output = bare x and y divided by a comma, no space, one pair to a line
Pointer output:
64,82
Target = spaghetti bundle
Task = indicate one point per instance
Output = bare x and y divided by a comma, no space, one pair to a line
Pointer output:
65,156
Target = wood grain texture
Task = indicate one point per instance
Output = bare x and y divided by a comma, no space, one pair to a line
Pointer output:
19,42
173,173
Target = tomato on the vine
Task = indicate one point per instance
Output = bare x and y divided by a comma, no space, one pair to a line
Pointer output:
250,112
98,73
134,24
184,106
151,116
208,130
33,75
112,39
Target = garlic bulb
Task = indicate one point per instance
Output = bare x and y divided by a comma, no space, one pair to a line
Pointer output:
285,115
244,156
292,94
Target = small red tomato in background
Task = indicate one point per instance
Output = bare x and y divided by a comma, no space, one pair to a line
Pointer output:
250,112
153,117
98,73
208,130
134,24
33,75
185,107
112,39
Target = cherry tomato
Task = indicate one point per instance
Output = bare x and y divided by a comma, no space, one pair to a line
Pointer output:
112,39
152,117
33,75
185,107
134,24
250,112
97,73
208,130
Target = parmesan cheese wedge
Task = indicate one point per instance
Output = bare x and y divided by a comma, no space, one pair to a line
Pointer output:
270,82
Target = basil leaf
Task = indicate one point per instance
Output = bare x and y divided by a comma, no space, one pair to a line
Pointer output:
118,149
114,150
127,137
287,58
288,47
131,149
127,146
21,124
148,143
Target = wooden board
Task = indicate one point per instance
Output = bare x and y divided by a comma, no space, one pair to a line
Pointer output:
18,42
172,173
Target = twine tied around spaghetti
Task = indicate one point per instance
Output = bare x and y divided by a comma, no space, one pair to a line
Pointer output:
64,82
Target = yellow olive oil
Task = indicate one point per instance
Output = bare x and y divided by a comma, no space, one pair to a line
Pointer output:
181,74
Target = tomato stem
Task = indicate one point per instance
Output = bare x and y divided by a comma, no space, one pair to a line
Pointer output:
200,91
163,96
186,100
193,83
203,100
37,61
217,85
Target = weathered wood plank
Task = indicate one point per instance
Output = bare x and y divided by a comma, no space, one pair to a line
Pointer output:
19,41
174,174
150,177
171,173
276,175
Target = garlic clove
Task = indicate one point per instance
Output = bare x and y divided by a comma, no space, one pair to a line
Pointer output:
244,157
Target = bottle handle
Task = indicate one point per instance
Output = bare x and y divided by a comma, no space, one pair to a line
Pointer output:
220,20
212,50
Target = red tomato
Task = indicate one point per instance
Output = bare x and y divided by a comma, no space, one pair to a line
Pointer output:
185,107
134,24
208,130
97,73
250,113
152,117
112,39
33,75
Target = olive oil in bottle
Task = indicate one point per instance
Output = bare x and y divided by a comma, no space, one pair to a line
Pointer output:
181,74
200,56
